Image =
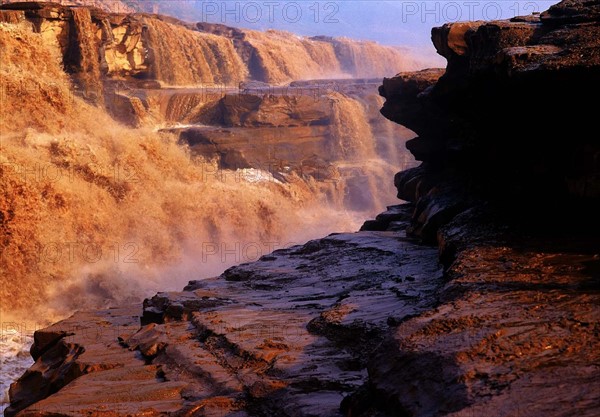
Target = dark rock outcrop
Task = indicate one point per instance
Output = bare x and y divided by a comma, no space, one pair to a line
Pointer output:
510,118
508,188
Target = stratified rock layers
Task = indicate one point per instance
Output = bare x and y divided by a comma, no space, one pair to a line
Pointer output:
153,47
287,335
508,188
511,113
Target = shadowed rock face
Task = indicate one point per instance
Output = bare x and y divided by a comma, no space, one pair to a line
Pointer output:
508,189
510,114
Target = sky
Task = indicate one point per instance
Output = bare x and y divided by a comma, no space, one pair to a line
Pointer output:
400,22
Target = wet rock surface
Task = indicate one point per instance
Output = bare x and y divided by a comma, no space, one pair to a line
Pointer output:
514,332
290,334
515,329
353,324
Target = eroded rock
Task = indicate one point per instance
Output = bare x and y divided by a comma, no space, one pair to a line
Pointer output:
290,334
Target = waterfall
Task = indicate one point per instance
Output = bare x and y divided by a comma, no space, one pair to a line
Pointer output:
184,57
364,59
283,56
85,55
93,213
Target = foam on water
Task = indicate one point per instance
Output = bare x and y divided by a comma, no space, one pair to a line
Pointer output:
94,214
14,358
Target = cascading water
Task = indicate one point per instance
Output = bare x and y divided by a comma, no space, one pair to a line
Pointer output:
180,56
94,214
363,59
84,55
284,56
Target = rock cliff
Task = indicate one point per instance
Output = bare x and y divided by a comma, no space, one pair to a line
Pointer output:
509,121
111,45
508,189
501,319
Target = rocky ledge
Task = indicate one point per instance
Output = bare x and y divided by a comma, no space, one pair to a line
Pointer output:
501,319
289,334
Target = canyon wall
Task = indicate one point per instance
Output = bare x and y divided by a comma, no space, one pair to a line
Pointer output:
508,188
316,148
163,49
538,153
72,176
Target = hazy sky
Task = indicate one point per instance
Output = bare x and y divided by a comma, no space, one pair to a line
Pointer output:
397,22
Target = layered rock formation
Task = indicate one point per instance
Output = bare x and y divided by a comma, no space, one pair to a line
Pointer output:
509,118
327,131
368,324
160,48
508,188
267,338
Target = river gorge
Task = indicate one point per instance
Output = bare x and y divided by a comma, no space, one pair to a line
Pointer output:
183,201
